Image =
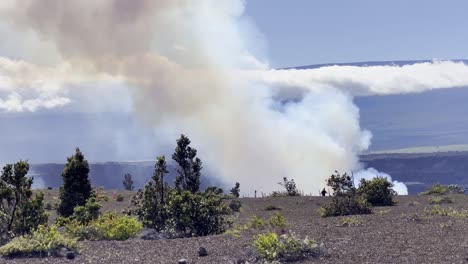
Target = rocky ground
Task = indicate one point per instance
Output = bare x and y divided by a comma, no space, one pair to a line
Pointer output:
397,234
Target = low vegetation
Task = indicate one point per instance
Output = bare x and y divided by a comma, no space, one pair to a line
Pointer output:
350,221
285,248
45,241
438,189
441,211
277,220
441,200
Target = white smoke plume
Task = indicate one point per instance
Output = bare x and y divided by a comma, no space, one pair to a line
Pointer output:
189,69
370,173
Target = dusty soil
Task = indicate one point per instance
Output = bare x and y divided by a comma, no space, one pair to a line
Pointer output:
397,234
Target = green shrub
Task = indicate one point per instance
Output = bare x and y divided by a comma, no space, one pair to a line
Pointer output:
255,223
436,189
112,226
119,198
87,213
277,220
109,226
41,242
287,248
235,205
272,208
377,191
268,246
440,200
345,205
196,214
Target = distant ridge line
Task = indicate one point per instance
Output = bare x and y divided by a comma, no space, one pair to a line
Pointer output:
370,63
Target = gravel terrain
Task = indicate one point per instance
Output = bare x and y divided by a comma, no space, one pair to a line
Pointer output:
397,234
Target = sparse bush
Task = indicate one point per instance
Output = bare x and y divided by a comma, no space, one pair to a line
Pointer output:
42,242
272,208
235,205
287,248
438,210
235,191
277,220
345,200
290,187
341,184
350,221
377,191
119,198
255,223
438,189
76,188
440,200
345,205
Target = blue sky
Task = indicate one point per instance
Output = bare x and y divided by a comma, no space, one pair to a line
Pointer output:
303,32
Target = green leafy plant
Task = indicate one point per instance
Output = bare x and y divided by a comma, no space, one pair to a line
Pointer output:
109,226
287,248
441,211
88,212
41,242
345,205
438,189
377,191
440,200
255,223
277,220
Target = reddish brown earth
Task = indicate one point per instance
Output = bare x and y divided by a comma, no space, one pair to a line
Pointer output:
397,234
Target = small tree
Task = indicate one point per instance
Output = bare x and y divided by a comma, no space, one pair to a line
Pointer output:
128,182
235,191
21,212
290,187
150,204
76,188
341,184
377,191
190,166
